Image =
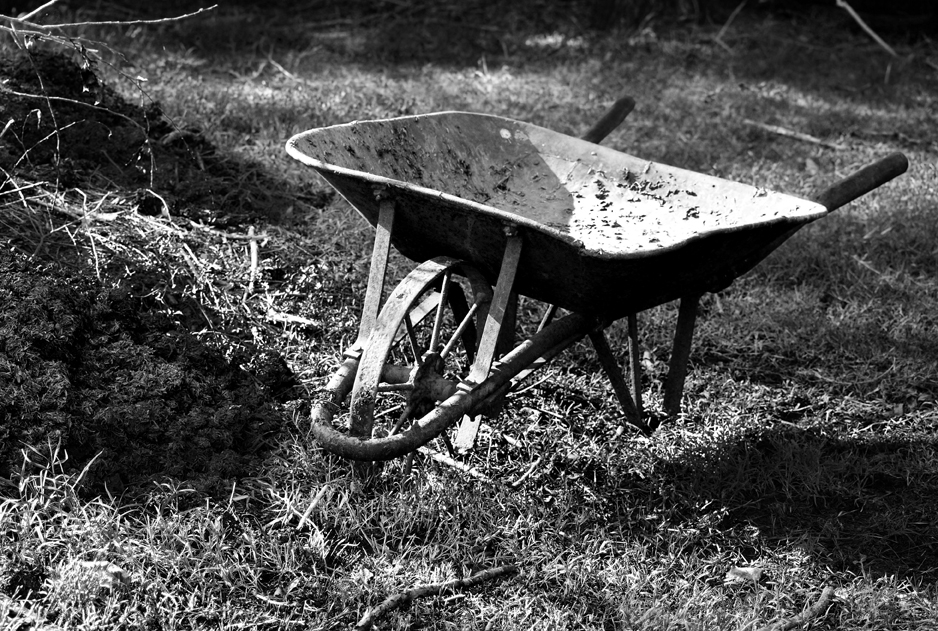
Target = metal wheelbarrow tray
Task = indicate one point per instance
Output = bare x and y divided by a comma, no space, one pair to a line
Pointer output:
528,211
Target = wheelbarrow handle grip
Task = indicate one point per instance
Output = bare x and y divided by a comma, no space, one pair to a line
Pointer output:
610,120
863,181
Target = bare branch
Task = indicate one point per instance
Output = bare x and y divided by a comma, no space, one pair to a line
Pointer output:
50,27
38,10
790,133
405,598
856,16
62,99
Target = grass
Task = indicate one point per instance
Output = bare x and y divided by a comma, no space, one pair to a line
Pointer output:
808,444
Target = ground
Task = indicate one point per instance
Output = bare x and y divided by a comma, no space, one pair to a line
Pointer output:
175,289
93,368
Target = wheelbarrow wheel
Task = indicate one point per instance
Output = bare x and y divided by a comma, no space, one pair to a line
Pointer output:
423,344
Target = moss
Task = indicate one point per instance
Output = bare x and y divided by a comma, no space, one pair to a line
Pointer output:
91,368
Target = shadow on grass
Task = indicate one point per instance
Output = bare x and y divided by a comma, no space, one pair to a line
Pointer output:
860,505
839,308
850,506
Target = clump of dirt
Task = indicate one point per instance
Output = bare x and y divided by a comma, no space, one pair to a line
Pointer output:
98,373
65,126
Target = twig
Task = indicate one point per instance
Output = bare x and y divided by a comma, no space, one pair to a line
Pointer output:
289,318
165,212
38,10
169,227
526,474
312,506
284,71
94,252
451,462
812,612
228,235
253,248
405,598
192,261
729,21
846,7
797,135
48,27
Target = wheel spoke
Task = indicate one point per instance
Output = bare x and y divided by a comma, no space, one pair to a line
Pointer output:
415,348
402,418
548,317
440,312
388,411
466,321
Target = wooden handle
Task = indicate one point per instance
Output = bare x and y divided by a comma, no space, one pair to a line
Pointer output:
612,119
863,181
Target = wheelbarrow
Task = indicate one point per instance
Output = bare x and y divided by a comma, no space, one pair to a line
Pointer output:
492,208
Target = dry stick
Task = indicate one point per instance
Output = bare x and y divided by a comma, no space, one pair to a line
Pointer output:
405,598
526,474
165,212
48,27
846,7
455,464
228,235
63,99
37,10
253,276
812,612
729,21
797,135
288,318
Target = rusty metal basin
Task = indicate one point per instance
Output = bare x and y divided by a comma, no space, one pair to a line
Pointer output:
604,232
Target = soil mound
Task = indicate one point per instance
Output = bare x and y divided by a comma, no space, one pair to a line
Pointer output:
94,371
92,355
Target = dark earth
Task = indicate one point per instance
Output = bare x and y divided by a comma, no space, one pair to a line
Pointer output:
94,366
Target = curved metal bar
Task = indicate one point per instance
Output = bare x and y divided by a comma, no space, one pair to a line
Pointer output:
558,336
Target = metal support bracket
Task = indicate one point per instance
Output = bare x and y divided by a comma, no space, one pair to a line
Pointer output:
680,352
501,314
621,389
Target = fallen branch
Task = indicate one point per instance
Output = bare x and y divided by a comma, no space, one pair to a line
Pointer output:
405,598
253,277
25,20
288,318
856,16
228,235
788,133
812,612
526,474
726,26
452,462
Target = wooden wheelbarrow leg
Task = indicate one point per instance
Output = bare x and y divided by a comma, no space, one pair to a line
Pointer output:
680,352
379,265
494,334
